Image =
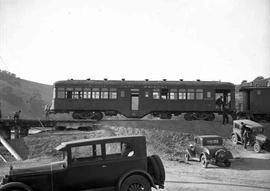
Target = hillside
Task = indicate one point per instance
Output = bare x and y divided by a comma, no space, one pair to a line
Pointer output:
19,94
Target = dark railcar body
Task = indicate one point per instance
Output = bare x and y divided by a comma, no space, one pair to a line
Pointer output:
256,102
135,99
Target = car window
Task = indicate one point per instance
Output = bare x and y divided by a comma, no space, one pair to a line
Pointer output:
212,141
113,148
84,153
127,150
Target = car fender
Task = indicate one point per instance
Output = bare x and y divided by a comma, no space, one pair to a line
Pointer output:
15,185
190,152
208,157
137,172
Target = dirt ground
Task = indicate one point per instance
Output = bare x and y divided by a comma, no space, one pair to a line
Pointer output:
167,138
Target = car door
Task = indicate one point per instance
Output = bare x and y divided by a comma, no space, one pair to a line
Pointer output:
86,169
119,162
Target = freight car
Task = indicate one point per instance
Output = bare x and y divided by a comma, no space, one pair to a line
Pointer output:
92,99
254,103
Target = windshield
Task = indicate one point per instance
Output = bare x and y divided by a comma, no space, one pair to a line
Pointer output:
212,141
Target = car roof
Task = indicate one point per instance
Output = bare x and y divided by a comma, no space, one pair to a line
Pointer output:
208,136
248,123
63,146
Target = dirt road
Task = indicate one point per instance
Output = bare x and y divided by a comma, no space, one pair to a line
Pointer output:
249,170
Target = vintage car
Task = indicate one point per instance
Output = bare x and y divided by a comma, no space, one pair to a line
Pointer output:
257,139
113,163
208,149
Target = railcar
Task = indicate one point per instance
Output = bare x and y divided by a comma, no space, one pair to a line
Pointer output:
254,103
92,99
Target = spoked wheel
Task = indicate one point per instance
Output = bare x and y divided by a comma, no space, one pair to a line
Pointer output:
135,183
204,161
234,139
257,147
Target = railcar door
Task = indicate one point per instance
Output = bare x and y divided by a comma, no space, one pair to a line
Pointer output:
134,102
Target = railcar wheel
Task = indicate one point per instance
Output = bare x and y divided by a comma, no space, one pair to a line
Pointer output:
227,163
135,183
210,117
234,139
97,116
204,161
257,147
188,117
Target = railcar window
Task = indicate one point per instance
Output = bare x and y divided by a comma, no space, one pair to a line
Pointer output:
190,94
122,93
87,93
69,93
95,93
104,93
77,94
156,94
199,94
54,93
113,93
173,94
164,93
147,94
208,95
60,92
182,94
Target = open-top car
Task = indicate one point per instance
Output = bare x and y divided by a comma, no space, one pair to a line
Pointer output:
208,149
256,139
114,163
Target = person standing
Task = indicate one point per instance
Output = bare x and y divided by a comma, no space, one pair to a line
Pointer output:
246,136
219,103
225,115
16,116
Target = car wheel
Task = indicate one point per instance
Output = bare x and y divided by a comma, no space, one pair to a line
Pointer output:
135,183
257,147
204,161
187,157
227,163
234,139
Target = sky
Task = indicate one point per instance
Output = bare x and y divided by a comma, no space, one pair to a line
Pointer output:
50,40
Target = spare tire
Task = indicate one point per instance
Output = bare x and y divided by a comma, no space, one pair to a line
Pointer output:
161,169
153,169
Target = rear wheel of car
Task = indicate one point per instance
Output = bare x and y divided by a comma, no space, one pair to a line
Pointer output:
204,161
135,183
227,163
234,139
257,147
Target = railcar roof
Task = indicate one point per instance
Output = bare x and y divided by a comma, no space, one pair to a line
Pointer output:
243,88
125,82
81,142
